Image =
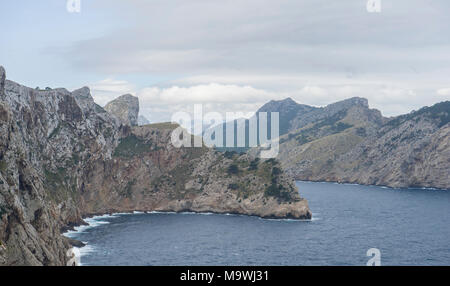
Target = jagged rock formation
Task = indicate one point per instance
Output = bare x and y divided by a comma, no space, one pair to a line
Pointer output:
126,108
63,157
348,142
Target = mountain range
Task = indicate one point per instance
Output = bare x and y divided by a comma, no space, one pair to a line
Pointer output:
348,142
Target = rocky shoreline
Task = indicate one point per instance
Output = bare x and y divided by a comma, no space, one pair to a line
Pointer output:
63,157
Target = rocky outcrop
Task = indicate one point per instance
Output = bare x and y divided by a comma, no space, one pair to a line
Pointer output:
63,157
126,108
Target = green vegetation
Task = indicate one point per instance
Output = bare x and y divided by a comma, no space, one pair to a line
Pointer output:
440,113
302,139
277,191
127,191
3,166
276,171
361,131
233,169
131,146
339,127
174,182
253,165
99,109
233,186
229,154
59,185
108,132
55,131
75,159
331,123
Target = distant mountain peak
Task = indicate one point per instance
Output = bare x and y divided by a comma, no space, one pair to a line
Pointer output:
350,102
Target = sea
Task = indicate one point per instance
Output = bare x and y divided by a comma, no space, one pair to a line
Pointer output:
351,225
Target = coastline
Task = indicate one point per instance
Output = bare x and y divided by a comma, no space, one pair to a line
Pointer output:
95,219
371,185
88,218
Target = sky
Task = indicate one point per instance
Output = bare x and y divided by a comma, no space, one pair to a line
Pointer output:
232,56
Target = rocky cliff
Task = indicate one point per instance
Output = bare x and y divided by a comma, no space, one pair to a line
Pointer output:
349,142
126,108
63,157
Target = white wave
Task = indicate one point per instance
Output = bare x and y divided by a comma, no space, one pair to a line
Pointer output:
83,251
195,213
285,219
92,222
123,213
161,212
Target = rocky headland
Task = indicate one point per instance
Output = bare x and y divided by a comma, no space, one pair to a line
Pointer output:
63,157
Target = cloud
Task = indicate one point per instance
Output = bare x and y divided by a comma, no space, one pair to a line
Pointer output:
108,89
237,56
443,91
159,103
198,37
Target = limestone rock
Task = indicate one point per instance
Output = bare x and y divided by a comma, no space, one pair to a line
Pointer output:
126,108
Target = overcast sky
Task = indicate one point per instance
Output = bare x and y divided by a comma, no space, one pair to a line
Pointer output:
232,55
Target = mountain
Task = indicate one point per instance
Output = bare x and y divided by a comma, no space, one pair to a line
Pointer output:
126,108
349,142
289,111
63,157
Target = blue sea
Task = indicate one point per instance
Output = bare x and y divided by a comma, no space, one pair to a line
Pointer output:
408,226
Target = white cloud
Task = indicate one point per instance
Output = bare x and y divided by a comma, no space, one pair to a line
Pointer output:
108,89
443,91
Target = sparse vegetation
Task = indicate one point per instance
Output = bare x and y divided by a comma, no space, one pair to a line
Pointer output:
233,169
233,186
254,164
276,171
99,109
3,166
127,191
55,131
229,154
439,112
131,146
277,191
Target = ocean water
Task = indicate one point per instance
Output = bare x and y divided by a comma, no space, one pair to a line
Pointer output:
408,226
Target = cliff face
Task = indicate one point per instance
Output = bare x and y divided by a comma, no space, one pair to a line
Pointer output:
408,151
62,157
126,108
348,142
